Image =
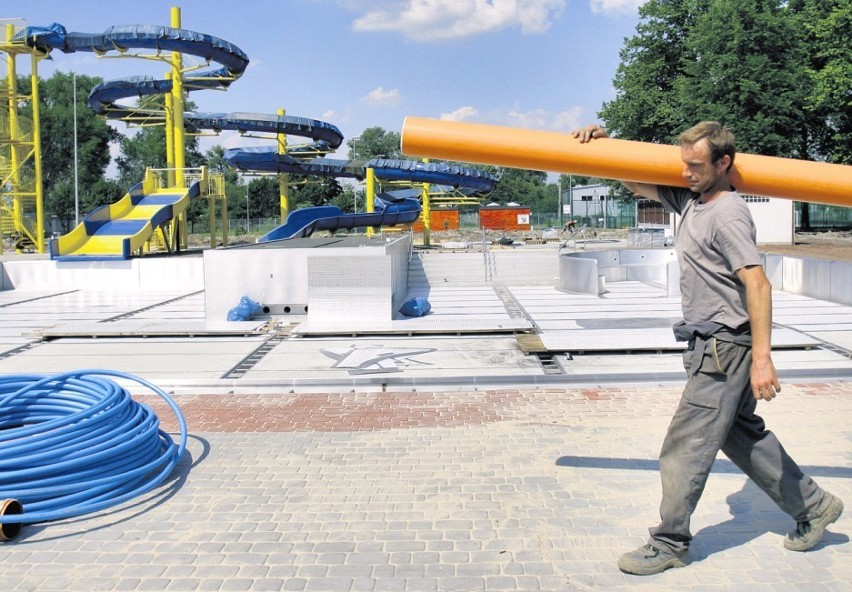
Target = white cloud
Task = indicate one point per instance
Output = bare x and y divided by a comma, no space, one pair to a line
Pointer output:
435,20
381,96
567,120
563,121
337,117
460,114
615,6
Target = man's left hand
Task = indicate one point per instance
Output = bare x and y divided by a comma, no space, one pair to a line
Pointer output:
764,380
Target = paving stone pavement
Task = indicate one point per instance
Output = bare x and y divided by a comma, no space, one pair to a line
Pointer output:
516,489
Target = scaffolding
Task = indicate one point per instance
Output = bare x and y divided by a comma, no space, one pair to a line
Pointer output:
21,194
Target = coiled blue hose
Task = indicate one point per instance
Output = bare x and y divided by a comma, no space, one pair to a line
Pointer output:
76,443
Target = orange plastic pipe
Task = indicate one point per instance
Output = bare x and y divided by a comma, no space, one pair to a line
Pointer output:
610,158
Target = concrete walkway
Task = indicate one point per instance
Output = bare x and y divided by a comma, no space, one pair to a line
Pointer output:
444,462
537,489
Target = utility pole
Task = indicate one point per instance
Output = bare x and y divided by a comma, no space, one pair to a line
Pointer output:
559,202
76,174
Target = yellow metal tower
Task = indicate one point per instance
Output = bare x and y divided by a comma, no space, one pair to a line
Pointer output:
21,198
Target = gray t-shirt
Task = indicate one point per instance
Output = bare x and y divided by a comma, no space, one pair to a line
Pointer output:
714,241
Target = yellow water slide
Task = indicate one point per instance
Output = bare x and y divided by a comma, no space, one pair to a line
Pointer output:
120,230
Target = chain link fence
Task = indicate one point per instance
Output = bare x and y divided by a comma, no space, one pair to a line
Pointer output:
825,217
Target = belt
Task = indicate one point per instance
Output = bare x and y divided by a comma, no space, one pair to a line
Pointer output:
700,335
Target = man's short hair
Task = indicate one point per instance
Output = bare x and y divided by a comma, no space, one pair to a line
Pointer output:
719,138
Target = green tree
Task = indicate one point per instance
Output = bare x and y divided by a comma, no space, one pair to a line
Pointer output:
777,72
374,142
57,145
827,25
568,181
147,148
524,187
264,197
215,160
647,107
749,71
350,198
235,189
313,192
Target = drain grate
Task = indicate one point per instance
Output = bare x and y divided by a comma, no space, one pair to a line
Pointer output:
127,315
251,360
823,344
37,298
512,306
20,349
548,364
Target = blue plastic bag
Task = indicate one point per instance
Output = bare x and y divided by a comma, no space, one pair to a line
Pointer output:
246,310
415,307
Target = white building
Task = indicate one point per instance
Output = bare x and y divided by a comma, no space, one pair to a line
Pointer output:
773,218
591,205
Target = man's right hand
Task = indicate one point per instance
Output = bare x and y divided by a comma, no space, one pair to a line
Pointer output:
589,132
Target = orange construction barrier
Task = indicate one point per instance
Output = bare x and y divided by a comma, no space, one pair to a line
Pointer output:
610,158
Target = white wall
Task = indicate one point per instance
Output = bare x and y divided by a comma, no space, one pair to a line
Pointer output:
145,273
773,218
278,277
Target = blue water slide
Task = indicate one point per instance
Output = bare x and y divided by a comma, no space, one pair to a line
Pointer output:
394,207
437,173
391,209
105,99
267,159
326,136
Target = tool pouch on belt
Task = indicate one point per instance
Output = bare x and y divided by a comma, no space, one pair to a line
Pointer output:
702,352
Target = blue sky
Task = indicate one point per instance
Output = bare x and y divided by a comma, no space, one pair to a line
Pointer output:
542,64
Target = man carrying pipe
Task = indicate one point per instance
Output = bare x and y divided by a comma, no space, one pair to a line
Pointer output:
727,310
645,162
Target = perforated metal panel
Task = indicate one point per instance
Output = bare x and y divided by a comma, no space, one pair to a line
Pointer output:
357,288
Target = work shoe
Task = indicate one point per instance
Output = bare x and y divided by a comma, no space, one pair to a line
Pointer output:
809,532
650,560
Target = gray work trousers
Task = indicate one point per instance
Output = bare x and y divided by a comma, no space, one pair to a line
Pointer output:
717,412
